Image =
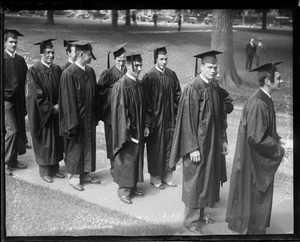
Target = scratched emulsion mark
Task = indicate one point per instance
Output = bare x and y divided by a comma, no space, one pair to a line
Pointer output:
285,169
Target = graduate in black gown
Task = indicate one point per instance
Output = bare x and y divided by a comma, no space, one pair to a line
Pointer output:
77,117
199,139
130,121
70,51
162,89
15,69
42,88
258,154
105,84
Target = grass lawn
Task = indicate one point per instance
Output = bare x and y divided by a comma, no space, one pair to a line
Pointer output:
184,45
61,214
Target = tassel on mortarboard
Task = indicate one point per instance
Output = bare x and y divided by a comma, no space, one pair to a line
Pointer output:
196,67
108,62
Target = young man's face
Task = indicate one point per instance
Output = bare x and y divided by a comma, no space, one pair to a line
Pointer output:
162,61
275,86
87,57
48,55
11,44
209,70
120,62
137,67
71,53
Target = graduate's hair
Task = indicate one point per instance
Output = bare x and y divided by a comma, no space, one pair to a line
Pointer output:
262,77
5,37
265,74
68,49
77,52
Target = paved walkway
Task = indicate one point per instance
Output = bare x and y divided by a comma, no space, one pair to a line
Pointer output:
159,206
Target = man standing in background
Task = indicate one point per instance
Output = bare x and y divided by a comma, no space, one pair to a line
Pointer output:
260,51
250,52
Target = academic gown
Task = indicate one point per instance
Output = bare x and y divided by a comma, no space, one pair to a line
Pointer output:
163,92
228,108
200,125
41,95
66,65
105,84
77,118
15,70
128,121
257,158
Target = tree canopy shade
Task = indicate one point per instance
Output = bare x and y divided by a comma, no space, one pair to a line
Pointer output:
222,40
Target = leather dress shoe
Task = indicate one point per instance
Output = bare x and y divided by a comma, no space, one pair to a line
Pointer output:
125,199
47,179
59,175
77,187
195,230
8,172
138,192
19,165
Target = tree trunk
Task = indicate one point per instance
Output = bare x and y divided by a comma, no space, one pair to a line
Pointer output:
114,20
222,40
264,20
50,17
127,20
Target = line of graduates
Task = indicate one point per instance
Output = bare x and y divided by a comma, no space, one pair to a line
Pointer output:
64,106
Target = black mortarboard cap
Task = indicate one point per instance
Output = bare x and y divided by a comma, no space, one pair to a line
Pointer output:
134,56
83,45
160,50
117,51
44,44
12,33
206,57
267,68
68,42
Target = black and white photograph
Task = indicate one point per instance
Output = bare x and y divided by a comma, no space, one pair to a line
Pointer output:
140,122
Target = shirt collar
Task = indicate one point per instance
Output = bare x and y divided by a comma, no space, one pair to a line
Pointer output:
266,93
45,64
12,55
70,60
80,66
162,71
120,68
130,76
204,79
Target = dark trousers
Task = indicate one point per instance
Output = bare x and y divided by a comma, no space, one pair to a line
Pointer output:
48,170
249,60
258,60
11,135
192,216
